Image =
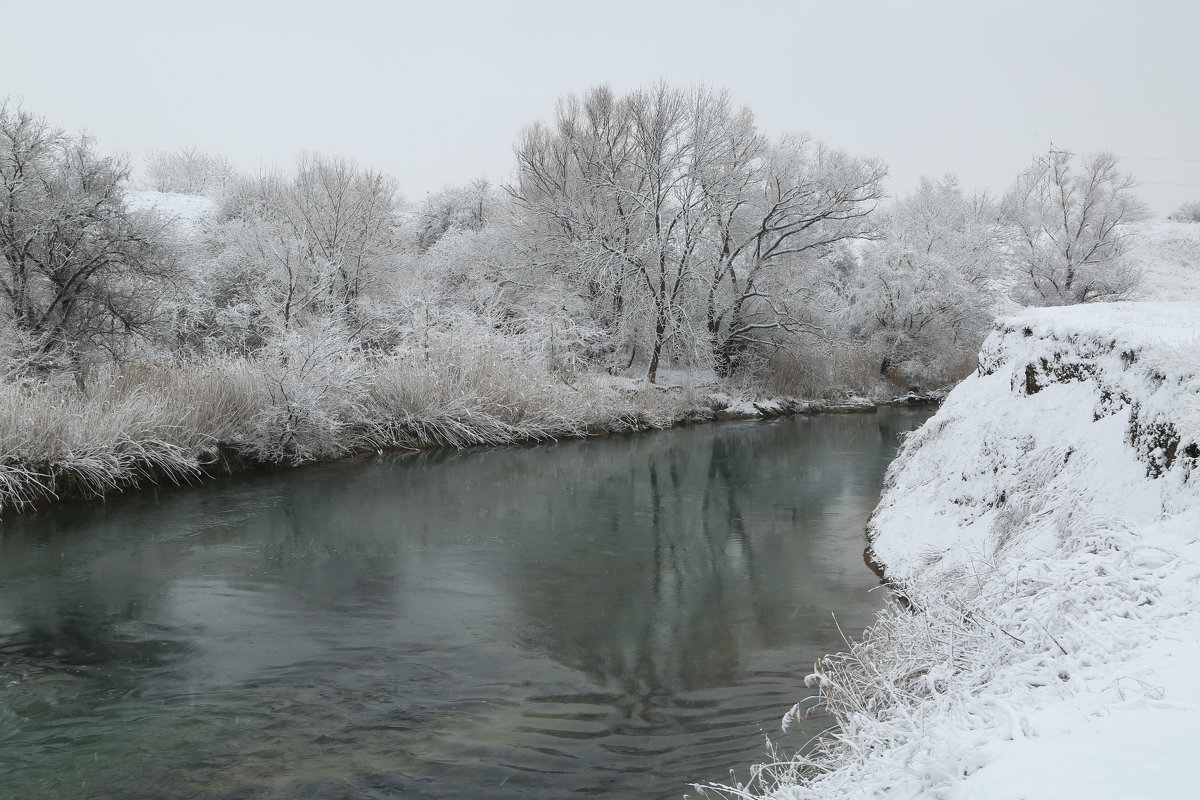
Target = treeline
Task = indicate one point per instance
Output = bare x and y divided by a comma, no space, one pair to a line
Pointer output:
659,228
312,312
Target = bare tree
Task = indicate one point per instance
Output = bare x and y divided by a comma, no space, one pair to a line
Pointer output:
327,234
79,271
1073,221
681,220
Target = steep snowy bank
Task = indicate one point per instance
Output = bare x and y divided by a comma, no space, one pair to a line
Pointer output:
1082,410
1043,526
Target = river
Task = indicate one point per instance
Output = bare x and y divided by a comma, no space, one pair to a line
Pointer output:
615,618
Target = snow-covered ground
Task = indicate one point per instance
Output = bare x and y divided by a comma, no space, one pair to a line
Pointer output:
188,209
1044,525
1169,255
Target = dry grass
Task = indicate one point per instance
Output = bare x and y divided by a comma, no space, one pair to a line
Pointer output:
57,441
826,371
939,674
147,423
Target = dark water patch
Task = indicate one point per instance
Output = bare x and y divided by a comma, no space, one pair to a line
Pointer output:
611,618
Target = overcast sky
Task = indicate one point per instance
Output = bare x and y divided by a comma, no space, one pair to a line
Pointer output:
436,92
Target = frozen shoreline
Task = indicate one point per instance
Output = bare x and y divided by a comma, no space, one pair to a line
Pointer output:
1043,526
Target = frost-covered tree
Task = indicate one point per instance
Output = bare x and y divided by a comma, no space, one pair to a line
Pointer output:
321,241
923,297
680,222
612,184
1073,216
79,272
800,199
188,171
466,207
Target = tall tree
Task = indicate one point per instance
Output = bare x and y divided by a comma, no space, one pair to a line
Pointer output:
680,220
801,199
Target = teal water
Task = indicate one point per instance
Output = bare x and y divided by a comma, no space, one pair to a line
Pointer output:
612,618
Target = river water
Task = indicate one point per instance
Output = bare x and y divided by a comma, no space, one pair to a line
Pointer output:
613,618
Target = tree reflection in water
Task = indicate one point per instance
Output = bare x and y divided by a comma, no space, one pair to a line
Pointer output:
616,616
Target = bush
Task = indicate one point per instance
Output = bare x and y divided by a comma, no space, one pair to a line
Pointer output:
1188,212
188,171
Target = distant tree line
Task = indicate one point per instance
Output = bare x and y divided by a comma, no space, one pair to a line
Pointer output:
651,230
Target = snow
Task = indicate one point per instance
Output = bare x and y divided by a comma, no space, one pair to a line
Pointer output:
1169,255
1045,525
188,209
990,439
1065,456
1142,745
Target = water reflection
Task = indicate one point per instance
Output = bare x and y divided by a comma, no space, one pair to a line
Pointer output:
612,617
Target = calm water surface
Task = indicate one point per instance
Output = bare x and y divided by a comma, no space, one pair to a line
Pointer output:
611,618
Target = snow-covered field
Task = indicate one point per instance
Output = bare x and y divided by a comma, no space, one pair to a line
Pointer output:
1044,525
188,209
1169,255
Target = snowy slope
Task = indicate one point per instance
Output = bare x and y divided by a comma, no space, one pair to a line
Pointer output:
1058,490
1169,255
1072,406
187,209
1043,527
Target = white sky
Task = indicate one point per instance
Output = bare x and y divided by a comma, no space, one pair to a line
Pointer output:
436,92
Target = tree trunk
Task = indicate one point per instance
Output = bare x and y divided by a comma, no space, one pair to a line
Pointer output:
660,330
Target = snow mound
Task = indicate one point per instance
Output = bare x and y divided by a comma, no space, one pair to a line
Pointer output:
1043,532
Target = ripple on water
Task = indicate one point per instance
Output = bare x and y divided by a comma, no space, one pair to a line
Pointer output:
614,618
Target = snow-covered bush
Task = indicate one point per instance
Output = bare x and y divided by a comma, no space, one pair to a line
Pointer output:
309,394
188,171
1188,212
314,380
456,208
55,440
480,286
824,370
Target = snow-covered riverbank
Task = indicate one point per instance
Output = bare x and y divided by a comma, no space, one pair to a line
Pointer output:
1043,526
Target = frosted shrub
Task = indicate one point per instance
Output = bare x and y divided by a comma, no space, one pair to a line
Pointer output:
310,394
1188,212
472,395
314,381
55,440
